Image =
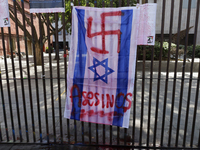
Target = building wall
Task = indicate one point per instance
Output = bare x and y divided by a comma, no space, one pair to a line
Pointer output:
21,32
176,17
1,44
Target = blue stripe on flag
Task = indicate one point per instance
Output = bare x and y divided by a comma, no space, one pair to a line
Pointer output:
123,67
79,70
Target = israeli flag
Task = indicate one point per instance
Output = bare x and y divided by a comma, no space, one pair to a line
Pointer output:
102,61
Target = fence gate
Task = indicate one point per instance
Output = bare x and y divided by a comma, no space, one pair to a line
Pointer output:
165,110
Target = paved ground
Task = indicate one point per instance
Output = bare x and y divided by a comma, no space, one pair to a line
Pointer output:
55,147
46,147
93,126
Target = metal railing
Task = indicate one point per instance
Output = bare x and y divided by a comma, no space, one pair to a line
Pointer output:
165,104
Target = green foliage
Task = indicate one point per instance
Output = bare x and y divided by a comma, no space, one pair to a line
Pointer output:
156,51
165,49
190,51
90,3
51,49
106,3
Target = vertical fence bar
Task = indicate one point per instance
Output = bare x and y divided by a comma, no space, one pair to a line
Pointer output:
8,84
118,128
167,72
195,111
175,71
150,94
15,86
34,34
128,2
197,89
82,123
75,124
20,67
199,140
42,33
51,78
68,125
120,3
0,135
87,4
159,72
111,5
58,77
125,135
75,130
65,48
134,103
103,5
97,131
90,133
190,83
143,88
28,70
118,135
3,103
142,98
183,76
125,129
97,134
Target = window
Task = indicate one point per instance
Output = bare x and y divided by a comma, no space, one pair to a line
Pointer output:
193,4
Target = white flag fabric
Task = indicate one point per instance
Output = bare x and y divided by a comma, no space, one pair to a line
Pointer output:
146,33
4,14
102,61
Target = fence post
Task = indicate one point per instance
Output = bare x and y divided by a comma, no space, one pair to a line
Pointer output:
143,90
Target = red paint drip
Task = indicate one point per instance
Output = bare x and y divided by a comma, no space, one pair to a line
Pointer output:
100,114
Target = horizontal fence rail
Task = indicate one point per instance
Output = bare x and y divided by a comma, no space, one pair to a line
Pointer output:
165,112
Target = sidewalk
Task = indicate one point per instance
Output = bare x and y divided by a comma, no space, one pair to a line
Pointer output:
93,126
45,147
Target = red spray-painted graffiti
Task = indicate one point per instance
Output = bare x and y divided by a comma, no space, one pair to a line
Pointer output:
104,101
99,113
103,32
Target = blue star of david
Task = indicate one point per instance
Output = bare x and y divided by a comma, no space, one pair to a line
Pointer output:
103,63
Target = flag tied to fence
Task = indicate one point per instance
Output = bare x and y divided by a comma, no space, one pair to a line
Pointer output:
47,6
4,14
102,61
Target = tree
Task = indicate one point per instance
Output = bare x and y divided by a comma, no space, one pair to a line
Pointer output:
40,40
36,39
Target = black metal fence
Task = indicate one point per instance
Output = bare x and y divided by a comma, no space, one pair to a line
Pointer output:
165,112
